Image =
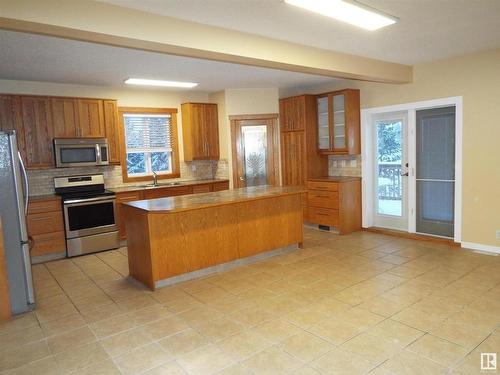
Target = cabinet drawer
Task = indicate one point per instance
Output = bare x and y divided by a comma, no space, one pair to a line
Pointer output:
46,222
323,198
129,197
35,207
319,185
218,186
49,243
323,216
202,189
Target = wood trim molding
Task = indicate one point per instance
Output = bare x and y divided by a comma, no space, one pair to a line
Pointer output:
175,143
266,116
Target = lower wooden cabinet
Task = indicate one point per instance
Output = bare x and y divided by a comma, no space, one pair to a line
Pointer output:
120,199
335,202
46,226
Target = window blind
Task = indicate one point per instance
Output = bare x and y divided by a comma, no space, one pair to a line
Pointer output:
148,133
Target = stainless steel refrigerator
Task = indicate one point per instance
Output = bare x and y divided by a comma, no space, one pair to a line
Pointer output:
14,193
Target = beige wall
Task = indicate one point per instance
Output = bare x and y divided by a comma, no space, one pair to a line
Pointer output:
477,78
241,102
125,97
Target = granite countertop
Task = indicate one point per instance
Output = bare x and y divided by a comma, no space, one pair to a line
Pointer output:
197,201
335,178
123,189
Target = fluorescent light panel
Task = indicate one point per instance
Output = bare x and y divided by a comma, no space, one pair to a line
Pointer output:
155,82
347,11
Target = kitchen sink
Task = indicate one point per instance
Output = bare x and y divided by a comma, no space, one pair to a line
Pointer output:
161,184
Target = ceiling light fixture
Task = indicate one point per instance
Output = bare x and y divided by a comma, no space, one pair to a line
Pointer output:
347,11
155,82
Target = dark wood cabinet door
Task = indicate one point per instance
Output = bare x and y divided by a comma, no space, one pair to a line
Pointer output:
11,119
211,131
111,125
64,117
91,118
38,131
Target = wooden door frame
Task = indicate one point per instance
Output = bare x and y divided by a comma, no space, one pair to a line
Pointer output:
273,135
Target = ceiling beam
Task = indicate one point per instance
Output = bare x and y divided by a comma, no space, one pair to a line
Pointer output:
107,24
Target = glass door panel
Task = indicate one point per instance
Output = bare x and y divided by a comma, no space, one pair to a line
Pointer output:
323,124
255,154
339,141
390,172
435,171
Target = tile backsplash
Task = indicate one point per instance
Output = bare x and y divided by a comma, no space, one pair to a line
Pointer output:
42,180
348,165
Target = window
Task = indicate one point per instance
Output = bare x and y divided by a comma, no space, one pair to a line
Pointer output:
149,143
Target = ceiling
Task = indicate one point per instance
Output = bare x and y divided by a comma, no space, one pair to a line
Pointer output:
428,29
49,59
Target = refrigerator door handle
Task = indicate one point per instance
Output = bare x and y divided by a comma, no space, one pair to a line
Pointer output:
26,184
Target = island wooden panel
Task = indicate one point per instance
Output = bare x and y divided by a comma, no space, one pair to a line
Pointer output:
163,244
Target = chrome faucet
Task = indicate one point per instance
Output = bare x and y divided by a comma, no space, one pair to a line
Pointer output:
155,179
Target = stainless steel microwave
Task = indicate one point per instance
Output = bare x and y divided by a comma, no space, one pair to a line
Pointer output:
80,152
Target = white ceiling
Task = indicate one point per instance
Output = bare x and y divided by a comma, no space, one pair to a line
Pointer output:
428,29
48,59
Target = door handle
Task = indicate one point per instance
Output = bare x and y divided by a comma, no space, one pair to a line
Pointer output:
405,174
242,178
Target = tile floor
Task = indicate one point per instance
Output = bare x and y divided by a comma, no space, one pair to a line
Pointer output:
357,304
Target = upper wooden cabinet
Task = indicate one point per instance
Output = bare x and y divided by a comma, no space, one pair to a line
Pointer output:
11,118
38,131
300,158
111,124
91,118
65,117
200,130
338,122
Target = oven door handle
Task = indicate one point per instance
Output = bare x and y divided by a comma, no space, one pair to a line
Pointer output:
85,200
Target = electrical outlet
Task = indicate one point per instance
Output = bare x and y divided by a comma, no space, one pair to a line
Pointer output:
498,234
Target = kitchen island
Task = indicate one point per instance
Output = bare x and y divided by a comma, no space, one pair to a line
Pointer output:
178,238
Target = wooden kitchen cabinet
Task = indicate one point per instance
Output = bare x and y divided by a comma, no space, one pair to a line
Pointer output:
65,117
121,198
200,130
111,123
300,159
335,202
91,118
46,227
38,131
338,122
11,119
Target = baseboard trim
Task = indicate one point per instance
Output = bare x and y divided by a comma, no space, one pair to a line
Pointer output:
412,236
47,258
480,247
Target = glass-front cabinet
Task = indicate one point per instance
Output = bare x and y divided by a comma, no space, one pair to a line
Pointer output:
339,122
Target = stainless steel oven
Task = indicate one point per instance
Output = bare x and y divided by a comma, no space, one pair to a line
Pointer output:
80,152
89,214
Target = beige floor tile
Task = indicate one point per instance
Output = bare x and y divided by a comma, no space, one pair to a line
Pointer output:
137,303
306,370
55,312
341,362
20,337
66,340
219,329
306,346
142,359
100,368
272,361
165,327
18,323
467,336
419,320
169,368
94,314
80,357
200,315
373,348
409,363
149,314
45,366
59,326
396,332
251,316
236,369
276,330
471,364
183,342
112,326
383,306
243,344
125,342
22,355
441,351
335,331
206,360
